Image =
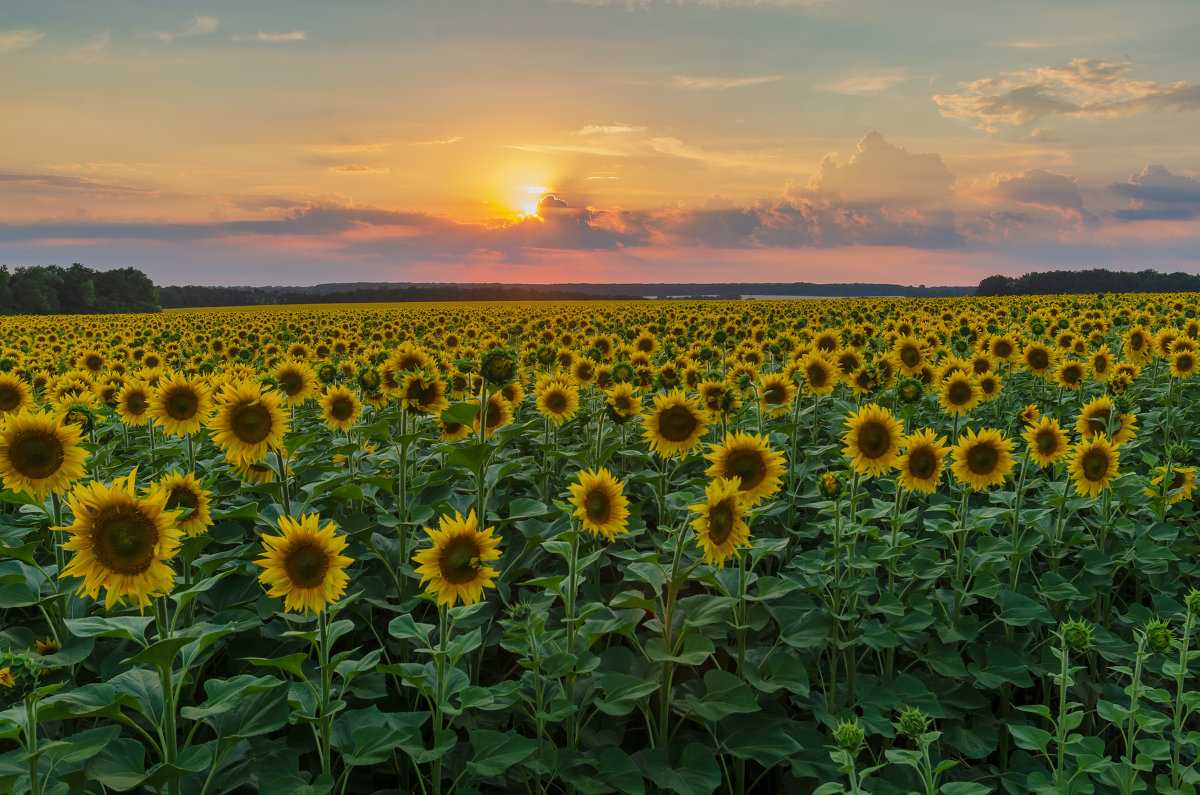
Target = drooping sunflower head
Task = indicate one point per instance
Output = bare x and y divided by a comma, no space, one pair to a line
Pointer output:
499,412
675,424
872,440
248,422
340,408
1093,465
454,568
305,564
1047,442
600,503
622,399
982,459
122,541
1100,415
1030,414
39,453
920,466
1180,487
423,393
749,461
721,526
189,498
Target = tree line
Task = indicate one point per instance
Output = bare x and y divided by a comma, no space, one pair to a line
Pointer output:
1095,280
193,296
77,290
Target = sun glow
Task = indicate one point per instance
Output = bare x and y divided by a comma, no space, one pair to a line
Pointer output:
534,194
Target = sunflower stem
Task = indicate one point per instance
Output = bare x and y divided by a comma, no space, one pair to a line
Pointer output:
170,736
326,725
436,766
1181,672
31,744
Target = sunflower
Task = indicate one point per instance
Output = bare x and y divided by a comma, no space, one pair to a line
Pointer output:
1030,414
872,440
453,431
39,453
297,381
454,567
820,374
304,565
248,422
340,408
982,459
122,541
180,404
1183,482
255,472
675,424
1002,347
1037,358
1093,465
1138,344
1096,417
14,395
1047,442
749,461
959,393
498,414
623,399
911,353
423,393
990,386
185,494
1070,375
721,526
555,399
920,466
775,393
1101,363
1183,364
600,503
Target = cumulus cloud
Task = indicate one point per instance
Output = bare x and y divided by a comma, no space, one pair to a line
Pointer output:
293,35
199,26
1157,194
696,83
18,39
1042,189
1083,88
882,173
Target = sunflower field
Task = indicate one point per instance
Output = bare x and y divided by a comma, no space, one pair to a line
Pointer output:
886,546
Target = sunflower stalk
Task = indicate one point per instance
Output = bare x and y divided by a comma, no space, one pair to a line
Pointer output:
1016,533
1180,711
325,723
32,756
668,670
168,733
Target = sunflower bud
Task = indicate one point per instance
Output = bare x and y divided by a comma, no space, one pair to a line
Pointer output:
327,374
1180,453
1159,636
18,677
830,485
623,373
498,366
848,735
1077,634
913,723
909,389
81,415
1192,601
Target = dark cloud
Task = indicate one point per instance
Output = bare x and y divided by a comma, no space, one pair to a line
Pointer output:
551,202
1158,195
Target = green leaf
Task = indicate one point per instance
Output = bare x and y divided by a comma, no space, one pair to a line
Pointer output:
725,694
755,736
404,627
80,746
292,663
1019,610
496,752
226,694
127,627
461,413
160,653
697,773
621,692
120,765
696,649
1030,738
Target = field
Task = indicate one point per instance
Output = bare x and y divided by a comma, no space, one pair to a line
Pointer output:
883,546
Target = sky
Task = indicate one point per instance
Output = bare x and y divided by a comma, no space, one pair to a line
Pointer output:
300,142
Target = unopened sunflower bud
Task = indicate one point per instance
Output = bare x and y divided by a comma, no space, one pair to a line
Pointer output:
848,734
909,389
1159,636
913,723
830,485
1192,601
1077,634
18,677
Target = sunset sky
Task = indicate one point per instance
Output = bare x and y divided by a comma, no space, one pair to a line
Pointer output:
298,142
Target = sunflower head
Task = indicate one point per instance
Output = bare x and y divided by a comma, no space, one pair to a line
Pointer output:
1093,465
872,440
600,503
720,526
675,424
39,453
122,541
455,567
304,564
1047,442
186,495
982,459
920,467
749,461
248,422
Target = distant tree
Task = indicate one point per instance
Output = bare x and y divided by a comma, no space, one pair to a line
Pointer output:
49,289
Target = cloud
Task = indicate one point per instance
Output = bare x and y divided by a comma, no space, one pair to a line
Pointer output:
615,128
439,141
199,26
881,173
90,52
866,84
1157,194
294,35
96,188
694,83
18,39
1048,42
359,168
1042,189
1084,88
631,4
